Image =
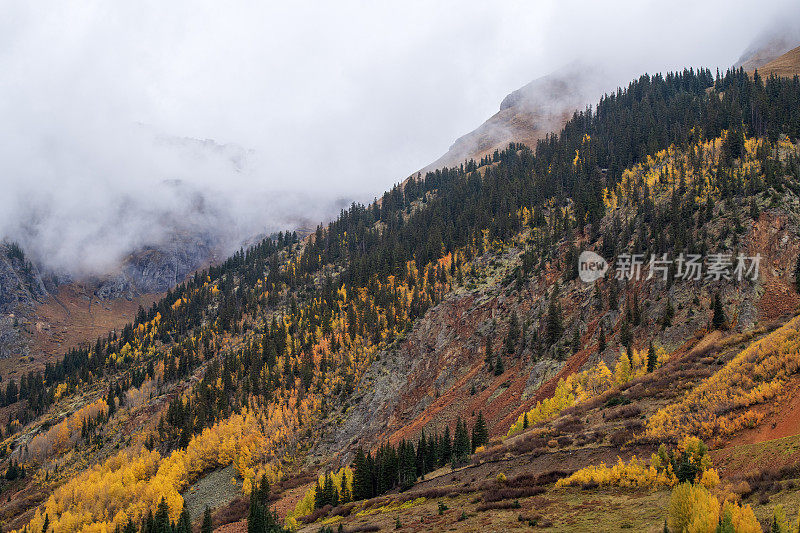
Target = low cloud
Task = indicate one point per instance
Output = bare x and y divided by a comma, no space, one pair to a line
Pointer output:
105,109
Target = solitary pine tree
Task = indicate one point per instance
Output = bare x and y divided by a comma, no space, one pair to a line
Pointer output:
263,490
498,366
513,333
445,447
625,335
601,339
362,477
797,274
554,321
112,405
598,297
669,312
576,340
161,519
480,433
432,453
613,295
636,312
208,525
422,454
461,446
651,358
718,320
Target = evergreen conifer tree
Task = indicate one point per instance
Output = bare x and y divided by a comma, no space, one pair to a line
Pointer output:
651,358
601,339
362,477
797,274
263,490
208,525
554,320
480,433
161,519
718,320
184,524
461,444
445,447
499,368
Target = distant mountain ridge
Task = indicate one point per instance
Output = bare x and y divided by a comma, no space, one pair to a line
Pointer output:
770,45
528,114
136,249
545,104
786,65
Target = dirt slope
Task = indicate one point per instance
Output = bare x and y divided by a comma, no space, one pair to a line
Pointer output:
786,65
63,320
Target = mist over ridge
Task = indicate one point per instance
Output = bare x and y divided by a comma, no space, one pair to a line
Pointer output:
133,128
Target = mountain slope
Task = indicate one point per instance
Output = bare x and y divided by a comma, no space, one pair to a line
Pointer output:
777,39
545,104
528,114
20,288
787,65
451,307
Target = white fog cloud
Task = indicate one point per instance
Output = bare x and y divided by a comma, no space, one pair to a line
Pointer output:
331,101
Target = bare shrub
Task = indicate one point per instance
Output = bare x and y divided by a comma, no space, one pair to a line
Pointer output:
491,506
367,528
564,440
507,493
316,514
634,425
619,438
233,512
623,411
569,424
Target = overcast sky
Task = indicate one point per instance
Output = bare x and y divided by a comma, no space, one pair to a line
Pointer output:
340,99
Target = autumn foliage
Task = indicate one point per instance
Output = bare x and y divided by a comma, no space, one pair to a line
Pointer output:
132,482
587,384
720,405
692,508
664,469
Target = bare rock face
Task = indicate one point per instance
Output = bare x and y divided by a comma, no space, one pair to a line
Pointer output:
156,269
20,281
21,287
150,270
11,342
374,402
438,373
